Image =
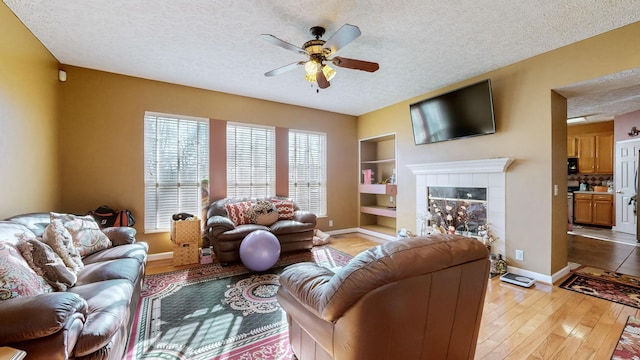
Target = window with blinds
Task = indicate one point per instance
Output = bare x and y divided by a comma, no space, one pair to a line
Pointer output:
251,154
308,170
176,168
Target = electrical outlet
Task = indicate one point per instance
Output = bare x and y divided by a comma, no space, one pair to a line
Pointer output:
330,223
520,255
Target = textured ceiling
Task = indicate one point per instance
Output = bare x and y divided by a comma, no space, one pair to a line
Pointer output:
421,45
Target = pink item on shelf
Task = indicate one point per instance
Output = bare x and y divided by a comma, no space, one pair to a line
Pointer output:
368,174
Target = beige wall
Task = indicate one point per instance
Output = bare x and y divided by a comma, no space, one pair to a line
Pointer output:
28,113
101,141
530,129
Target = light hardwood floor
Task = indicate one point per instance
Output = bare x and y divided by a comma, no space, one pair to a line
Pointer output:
543,322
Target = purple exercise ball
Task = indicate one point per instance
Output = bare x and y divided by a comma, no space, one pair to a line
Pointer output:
259,250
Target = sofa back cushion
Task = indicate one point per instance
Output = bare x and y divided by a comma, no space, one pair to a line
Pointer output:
35,222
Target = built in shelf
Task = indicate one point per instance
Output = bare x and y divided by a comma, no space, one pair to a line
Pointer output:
378,210
379,229
382,161
382,189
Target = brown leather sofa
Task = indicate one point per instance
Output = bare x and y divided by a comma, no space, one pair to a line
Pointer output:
225,237
417,298
91,320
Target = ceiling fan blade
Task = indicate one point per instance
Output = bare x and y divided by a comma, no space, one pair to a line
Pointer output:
283,69
346,34
355,64
283,44
322,81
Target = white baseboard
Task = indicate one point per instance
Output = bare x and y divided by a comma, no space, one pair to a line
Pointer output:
160,256
341,231
377,234
547,279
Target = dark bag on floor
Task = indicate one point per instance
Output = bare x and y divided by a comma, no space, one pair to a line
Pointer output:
124,218
104,216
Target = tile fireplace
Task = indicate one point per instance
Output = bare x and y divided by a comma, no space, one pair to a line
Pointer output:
485,178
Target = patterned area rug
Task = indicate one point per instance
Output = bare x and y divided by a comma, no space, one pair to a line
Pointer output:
628,347
215,312
608,285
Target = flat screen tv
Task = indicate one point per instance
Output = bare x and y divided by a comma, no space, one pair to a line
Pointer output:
457,114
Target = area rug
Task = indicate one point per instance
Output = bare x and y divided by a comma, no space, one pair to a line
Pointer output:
628,347
215,312
608,285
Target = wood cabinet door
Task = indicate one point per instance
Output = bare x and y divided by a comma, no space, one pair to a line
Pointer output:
604,153
582,211
603,212
571,147
586,154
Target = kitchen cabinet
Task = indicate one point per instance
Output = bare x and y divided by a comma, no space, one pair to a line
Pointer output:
595,153
593,209
572,150
377,198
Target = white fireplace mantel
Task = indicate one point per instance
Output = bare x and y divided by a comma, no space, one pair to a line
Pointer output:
462,167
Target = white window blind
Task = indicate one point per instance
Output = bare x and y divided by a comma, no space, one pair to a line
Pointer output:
308,170
176,161
251,156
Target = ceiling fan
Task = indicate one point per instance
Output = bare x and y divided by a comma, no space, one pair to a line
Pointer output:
321,54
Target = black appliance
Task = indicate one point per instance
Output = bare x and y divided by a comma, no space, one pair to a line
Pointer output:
572,165
457,114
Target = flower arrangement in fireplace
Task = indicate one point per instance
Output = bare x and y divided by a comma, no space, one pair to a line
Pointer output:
451,216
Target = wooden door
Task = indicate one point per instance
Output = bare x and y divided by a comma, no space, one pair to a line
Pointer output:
582,209
604,153
586,154
603,210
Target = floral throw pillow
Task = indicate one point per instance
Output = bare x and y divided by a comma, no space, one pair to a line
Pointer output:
285,209
46,263
237,212
60,240
17,279
85,232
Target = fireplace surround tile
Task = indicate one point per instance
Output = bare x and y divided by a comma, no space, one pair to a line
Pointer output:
486,173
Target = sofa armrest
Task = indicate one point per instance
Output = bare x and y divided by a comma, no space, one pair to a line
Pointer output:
307,283
218,224
38,316
305,217
120,235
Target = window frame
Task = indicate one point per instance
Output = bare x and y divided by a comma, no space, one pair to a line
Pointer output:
295,184
157,214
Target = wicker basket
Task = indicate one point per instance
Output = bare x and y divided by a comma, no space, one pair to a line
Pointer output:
185,254
186,231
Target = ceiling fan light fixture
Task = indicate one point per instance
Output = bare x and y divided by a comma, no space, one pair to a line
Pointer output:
329,72
311,68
